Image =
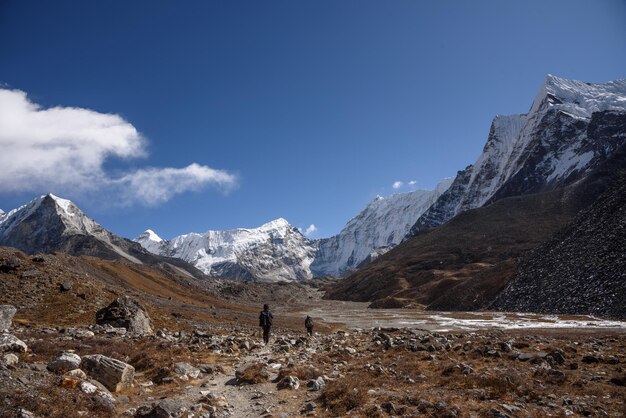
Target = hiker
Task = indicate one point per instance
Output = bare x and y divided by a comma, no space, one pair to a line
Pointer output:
265,321
308,324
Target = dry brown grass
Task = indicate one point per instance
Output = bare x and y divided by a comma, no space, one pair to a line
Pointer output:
302,372
346,394
253,374
44,401
419,384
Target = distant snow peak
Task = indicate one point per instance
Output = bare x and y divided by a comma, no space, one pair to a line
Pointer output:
275,251
150,234
382,224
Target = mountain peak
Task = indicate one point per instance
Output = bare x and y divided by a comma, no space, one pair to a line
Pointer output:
578,98
66,205
276,224
149,235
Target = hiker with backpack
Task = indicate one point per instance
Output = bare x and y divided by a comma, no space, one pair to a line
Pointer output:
308,324
265,321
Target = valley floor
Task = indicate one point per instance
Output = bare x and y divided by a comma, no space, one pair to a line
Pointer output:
207,360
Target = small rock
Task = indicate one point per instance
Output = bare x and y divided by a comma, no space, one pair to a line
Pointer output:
316,384
65,286
215,400
388,407
186,371
289,382
10,343
7,312
532,356
589,359
252,373
63,362
88,388
9,263
9,359
167,408
23,413
77,373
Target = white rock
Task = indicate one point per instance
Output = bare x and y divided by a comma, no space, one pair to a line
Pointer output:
63,362
10,343
88,388
10,359
77,373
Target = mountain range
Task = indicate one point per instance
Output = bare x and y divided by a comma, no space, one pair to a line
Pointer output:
571,129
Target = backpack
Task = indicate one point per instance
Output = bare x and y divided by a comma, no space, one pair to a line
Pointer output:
265,319
308,322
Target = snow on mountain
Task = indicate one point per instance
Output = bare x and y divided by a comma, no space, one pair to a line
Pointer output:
570,128
151,242
275,251
48,222
381,225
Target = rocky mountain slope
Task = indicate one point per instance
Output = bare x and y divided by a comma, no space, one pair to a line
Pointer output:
51,224
571,127
378,228
582,269
275,251
465,263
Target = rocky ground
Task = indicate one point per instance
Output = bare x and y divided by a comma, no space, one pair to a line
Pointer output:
391,372
174,350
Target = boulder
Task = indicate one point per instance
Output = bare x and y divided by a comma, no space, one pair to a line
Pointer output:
127,313
114,374
6,316
10,343
64,362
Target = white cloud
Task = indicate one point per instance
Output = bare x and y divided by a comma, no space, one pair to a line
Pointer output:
63,149
397,184
310,230
412,183
157,185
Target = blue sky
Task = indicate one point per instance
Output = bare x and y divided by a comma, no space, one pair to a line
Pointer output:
304,110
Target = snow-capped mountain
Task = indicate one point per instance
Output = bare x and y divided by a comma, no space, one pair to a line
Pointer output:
49,223
275,251
379,227
570,128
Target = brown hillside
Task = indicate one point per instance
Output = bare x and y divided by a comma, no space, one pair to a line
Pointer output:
462,264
